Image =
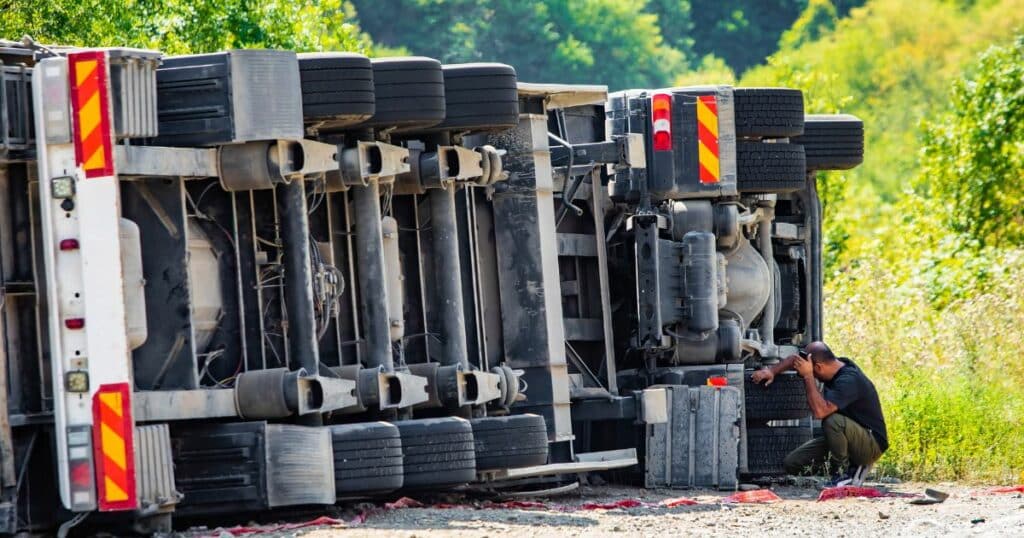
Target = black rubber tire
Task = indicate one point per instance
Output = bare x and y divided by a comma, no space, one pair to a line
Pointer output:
832,141
770,168
768,112
790,303
410,93
784,399
437,452
510,442
768,447
367,458
337,89
480,97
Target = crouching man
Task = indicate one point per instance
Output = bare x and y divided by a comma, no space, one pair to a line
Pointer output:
849,410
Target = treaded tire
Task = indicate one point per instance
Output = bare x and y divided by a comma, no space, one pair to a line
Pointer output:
784,399
480,97
770,168
337,89
437,452
410,93
832,141
510,442
367,458
768,447
768,112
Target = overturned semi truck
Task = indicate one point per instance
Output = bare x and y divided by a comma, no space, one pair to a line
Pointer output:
256,279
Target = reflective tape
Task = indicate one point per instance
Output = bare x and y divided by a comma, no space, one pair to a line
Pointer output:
90,112
707,139
113,447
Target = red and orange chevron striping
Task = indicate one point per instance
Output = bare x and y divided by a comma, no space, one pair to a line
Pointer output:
707,139
112,440
90,105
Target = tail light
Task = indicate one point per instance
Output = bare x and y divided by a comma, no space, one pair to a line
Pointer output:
80,469
661,121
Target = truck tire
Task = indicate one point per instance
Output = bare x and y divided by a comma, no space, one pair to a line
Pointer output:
770,168
337,89
480,97
437,452
784,399
367,458
832,141
409,92
767,447
510,442
768,112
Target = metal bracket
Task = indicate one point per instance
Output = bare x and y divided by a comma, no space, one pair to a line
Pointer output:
372,160
335,393
459,163
477,387
622,151
315,157
399,390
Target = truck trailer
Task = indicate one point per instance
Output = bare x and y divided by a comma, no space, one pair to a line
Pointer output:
255,279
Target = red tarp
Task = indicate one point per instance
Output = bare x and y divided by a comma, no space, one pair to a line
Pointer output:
756,496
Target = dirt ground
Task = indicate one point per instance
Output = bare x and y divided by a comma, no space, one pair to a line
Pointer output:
969,511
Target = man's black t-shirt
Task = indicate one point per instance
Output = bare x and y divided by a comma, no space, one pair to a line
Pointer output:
855,396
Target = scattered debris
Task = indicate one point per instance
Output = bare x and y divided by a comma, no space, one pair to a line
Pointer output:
243,530
1007,489
931,496
883,515
845,492
624,503
977,520
759,496
678,501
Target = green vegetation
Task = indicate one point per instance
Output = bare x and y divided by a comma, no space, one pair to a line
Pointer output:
925,245
925,241
182,26
624,44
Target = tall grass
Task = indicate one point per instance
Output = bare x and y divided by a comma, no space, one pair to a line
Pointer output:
951,378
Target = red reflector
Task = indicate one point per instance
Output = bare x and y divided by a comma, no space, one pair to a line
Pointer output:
74,323
81,474
69,244
718,381
661,121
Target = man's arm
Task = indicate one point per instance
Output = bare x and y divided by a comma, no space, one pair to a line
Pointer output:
767,375
820,407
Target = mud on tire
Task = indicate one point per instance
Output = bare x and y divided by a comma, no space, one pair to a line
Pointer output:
768,447
367,458
770,167
480,97
437,452
510,442
784,399
768,112
832,141
337,89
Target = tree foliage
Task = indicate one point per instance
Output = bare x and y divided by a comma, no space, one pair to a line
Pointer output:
180,26
574,41
973,155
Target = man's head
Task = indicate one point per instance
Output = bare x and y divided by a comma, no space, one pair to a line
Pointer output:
824,362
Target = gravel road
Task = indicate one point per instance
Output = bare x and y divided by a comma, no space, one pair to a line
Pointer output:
969,511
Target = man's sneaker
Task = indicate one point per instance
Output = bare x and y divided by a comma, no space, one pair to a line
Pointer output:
843,478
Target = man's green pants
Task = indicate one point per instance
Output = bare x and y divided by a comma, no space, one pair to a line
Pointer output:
845,444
